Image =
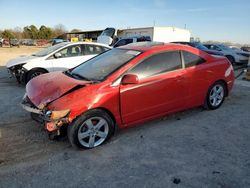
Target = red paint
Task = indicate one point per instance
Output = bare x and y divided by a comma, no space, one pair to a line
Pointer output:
50,126
134,103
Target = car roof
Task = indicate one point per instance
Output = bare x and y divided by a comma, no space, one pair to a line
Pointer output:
147,46
94,43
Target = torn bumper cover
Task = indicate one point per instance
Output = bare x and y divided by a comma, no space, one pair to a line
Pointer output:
52,120
18,72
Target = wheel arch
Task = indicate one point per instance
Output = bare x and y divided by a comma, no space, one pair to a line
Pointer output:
228,55
36,68
103,109
205,105
225,84
109,113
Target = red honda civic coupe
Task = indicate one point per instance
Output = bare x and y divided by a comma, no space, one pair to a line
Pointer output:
126,86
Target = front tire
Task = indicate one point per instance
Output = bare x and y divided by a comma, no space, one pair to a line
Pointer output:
215,95
91,129
34,73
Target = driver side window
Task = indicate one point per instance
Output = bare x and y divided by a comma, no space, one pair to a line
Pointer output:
157,64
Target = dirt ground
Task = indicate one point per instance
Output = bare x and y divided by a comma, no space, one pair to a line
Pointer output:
195,148
7,53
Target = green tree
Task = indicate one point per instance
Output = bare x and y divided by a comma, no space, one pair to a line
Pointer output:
8,34
45,32
31,32
26,32
34,32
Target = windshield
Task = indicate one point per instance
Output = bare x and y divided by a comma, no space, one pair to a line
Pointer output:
49,50
224,47
200,46
101,66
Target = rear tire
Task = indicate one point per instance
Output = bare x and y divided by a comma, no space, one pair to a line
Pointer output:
215,95
91,129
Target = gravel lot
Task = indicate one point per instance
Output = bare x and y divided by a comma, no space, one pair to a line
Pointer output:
195,148
7,53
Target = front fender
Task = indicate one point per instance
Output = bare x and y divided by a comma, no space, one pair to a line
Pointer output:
38,63
91,97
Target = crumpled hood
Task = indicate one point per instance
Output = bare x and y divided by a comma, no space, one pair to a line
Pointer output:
19,60
45,88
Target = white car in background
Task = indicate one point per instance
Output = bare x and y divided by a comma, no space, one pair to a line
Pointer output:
241,52
231,54
59,57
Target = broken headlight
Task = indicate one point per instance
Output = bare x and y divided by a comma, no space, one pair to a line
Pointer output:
56,115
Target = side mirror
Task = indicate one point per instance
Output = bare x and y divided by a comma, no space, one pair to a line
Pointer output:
130,79
57,55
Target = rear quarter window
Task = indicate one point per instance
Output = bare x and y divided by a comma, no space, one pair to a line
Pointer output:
191,59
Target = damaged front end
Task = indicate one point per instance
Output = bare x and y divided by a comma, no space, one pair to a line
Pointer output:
17,72
53,121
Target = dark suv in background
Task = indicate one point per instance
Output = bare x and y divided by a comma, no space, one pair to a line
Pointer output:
127,40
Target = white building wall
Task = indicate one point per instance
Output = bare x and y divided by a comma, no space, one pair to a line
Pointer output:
171,34
159,34
147,31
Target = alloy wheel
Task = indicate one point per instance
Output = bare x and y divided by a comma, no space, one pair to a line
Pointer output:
93,132
216,95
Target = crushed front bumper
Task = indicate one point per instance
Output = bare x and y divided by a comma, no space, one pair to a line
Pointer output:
41,116
29,106
17,72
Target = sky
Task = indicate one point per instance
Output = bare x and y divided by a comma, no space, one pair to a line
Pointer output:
219,20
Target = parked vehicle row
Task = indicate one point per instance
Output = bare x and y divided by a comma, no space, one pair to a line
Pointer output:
110,36
122,87
231,54
131,39
1,42
244,54
234,55
55,58
25,42
245,48
201,47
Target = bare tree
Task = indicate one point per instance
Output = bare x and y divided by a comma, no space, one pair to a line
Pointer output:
59,30
18,32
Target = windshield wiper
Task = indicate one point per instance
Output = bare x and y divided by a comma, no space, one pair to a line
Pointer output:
75,75
80,76
67,72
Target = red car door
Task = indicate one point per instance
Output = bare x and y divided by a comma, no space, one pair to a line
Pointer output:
197,72
161,89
